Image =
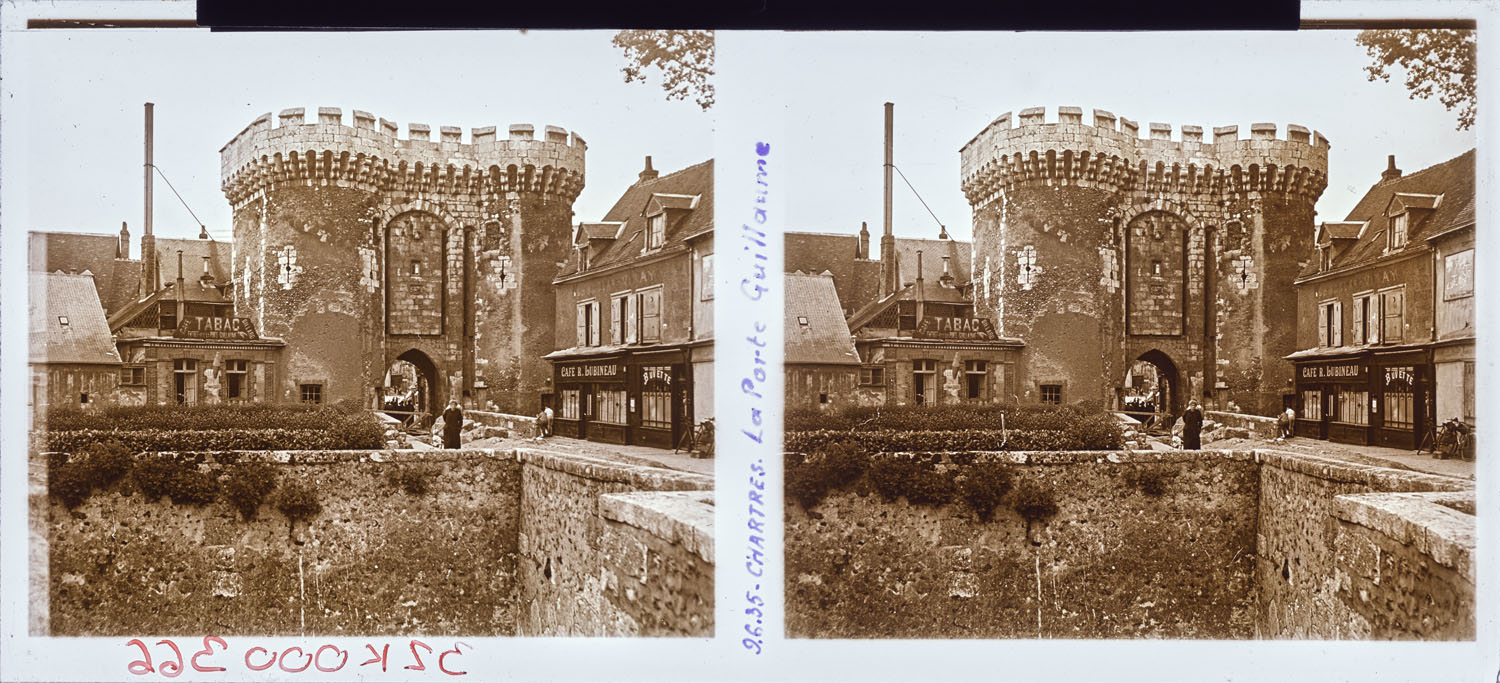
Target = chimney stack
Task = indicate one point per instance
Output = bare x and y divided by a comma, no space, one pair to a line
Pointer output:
150,268
920,297
864,241
888,265
181,304
122,251
647,174
947,278
1391,172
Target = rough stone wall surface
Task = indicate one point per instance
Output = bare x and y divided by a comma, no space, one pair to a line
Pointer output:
321,214
574,561
1051,204
376,560
1257,426
1116,561
807,386
656,560
1302,582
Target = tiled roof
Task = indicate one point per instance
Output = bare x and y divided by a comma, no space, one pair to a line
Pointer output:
630,209
857,280
117,281
933,252
1453,180
59,298
220,255
814,324
597,231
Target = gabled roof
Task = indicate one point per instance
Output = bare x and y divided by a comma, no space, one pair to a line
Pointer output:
1412,200
660,200
117,281
1452,180
857,280
814,327
631,208
67,321
597,231
933,251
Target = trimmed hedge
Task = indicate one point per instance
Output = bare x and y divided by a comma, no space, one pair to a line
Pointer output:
332,437
941,418
954,428
204,417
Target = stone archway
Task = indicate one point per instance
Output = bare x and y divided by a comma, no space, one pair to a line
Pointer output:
1173,396
415,383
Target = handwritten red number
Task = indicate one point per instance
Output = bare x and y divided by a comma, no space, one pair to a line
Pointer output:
419,666
286,654
343,658
454,651
171,669
262,667
208,649
140,667
380,656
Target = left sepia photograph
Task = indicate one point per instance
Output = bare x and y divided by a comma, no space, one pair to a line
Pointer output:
336,334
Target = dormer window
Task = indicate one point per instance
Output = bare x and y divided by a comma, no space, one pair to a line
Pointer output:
656,231
1327,257
1398,230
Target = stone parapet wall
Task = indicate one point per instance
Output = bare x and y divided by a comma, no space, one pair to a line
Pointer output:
1178,544
1315,543
456,559
1255,425
606,551
1144,544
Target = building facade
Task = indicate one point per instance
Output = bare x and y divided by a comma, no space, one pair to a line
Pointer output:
1385,324
822,368
1099,248
73,360
359,249
633,358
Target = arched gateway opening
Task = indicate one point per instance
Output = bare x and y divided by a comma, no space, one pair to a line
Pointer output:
1155,386
411,391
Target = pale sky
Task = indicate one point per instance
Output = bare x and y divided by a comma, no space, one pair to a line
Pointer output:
948,87
84,90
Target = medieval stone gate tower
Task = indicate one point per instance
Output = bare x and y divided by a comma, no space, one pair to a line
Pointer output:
360,249
1099,248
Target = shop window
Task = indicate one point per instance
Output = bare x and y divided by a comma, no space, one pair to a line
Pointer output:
1393,314
872,376
570,404
311,393
656,397
1052,393
650,307
612,408
1397,408
924,382
1350,406
235,372
975,374
185,380
1312,404
133,375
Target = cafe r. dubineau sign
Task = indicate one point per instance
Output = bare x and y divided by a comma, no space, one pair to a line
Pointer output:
215,327
589,371
955,328
1346,370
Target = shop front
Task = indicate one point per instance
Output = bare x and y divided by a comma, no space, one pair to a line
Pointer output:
1370,397
637,398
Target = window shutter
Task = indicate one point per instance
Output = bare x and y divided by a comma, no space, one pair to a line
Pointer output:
630,319
1359,320
582,339
616,318
594,341
1338,323
1377,311
1322,325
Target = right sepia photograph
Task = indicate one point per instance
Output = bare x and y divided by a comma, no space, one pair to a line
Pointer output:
1102,336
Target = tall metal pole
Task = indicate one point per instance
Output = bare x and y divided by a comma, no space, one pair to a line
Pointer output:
889,266
150,275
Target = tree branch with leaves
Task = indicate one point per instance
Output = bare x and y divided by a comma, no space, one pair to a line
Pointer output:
1438,62
684,58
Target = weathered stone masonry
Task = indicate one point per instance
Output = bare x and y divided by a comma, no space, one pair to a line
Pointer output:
1097,247
359,248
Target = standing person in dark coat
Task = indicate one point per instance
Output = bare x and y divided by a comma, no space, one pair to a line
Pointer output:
453,424
1192,425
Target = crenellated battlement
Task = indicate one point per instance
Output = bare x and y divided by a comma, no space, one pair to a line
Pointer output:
1112,152
366,151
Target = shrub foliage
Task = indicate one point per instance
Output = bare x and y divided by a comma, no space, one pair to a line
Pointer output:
954,428
248,485
215,428
298,501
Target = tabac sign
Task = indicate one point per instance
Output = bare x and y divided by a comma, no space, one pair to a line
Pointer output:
214,327
956,328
